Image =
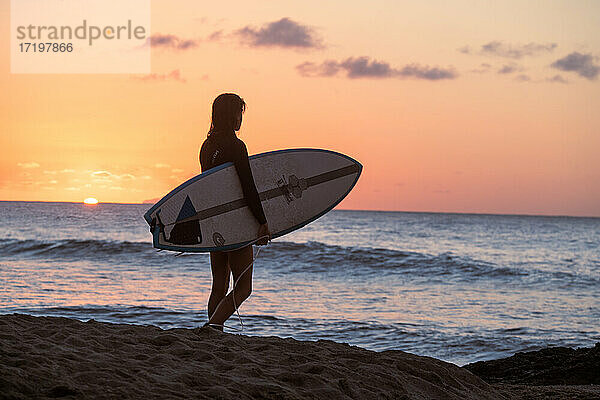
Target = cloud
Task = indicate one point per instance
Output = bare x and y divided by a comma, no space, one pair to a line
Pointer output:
484,67
557,79
161,165
174,75
363,67
582,64
282,33
327,68
28,165
523,78
429,73
101,174
106,176
515,51
509,68
171,42
63,171
215,36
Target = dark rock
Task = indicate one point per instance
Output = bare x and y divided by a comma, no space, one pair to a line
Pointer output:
61,391
550,366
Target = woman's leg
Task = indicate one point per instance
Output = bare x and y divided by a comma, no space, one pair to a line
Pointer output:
239,260
219,266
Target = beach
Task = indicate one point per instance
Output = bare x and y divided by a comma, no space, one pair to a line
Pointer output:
457,287
382,200
55,357
358,304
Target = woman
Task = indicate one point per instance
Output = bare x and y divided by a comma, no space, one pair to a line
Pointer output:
221,146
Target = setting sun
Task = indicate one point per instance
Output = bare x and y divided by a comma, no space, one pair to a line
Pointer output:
90,200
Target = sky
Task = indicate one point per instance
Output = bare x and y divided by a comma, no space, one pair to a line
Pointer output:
463,106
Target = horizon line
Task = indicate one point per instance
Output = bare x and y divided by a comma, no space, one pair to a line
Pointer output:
346,209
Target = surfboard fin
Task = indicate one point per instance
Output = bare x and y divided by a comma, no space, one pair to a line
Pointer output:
186,232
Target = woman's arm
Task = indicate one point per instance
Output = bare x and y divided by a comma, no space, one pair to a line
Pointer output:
242,165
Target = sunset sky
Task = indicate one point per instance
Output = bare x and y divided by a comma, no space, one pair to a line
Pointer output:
462,106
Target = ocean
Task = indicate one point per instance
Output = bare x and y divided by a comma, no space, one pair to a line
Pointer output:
458,287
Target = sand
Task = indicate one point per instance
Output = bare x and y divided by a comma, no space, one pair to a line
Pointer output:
42,357
51,357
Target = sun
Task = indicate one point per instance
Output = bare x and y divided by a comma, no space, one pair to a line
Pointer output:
90,201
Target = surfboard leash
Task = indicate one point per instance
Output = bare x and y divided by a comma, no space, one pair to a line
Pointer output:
254,257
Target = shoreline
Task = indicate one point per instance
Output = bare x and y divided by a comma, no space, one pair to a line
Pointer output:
63,357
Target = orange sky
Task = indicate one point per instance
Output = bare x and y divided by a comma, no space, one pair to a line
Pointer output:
524,141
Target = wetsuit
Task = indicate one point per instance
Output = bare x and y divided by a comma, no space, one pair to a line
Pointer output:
222,147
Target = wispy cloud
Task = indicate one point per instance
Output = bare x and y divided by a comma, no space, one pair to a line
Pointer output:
282,33
216,36
506,50
465,50
28,165
326,68
62,171
523,78
363,67
174,75
126,177
109,175
509,68
483,68
101,174
557,79
582,64
171,42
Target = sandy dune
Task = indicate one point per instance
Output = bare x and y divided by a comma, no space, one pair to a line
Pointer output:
60,357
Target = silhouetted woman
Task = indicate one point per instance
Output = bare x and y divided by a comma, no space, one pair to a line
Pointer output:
222,145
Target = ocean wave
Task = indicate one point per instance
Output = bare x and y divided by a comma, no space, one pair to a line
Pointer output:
317,257
69,247
320,257
310,257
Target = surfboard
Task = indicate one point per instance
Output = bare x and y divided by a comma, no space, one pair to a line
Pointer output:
209,213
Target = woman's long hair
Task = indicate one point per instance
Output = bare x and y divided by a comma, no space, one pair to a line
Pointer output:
224,112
